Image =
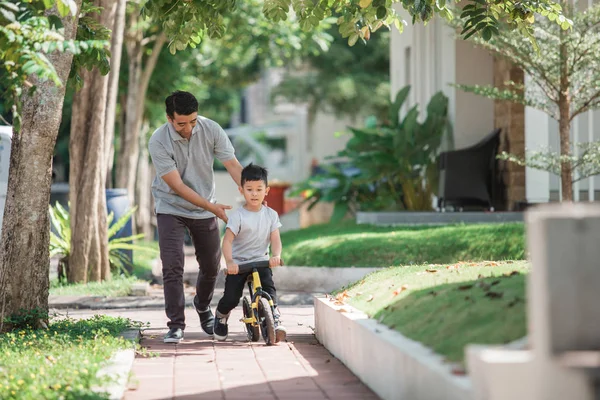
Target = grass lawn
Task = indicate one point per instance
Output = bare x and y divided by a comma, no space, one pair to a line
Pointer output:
60,362
446,307
143,261
349,244
119,285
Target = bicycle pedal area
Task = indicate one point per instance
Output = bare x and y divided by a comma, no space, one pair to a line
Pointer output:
202,368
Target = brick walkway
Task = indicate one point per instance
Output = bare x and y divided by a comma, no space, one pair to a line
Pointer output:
200,368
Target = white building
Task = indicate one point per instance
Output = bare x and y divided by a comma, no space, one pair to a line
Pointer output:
430,58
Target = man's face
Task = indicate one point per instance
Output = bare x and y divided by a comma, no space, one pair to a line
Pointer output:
183,124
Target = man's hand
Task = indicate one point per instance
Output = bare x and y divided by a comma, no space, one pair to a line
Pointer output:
275,261
219,211
232,268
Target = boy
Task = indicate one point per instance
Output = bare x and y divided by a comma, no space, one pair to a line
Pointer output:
250,230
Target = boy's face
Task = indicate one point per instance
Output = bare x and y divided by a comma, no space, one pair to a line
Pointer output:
254,192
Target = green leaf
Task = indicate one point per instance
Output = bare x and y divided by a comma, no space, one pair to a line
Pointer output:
486,33
63,8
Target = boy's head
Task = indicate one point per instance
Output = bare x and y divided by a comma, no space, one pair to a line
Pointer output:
182,111
254,184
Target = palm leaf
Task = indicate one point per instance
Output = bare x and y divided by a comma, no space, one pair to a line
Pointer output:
121,222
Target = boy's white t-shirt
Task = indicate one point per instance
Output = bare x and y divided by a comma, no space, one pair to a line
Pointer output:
252,230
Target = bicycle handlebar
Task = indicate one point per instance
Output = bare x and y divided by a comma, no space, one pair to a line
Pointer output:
251,265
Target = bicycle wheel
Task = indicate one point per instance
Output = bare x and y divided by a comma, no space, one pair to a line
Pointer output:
267,324
251,330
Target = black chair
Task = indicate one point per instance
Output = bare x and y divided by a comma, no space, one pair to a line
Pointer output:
468,176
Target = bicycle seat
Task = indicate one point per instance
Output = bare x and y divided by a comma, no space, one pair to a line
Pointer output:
251,265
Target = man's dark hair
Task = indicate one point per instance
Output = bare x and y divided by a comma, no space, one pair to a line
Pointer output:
182,103
254,173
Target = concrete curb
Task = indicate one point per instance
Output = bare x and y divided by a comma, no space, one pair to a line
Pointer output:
294,278
112,303
119,366
436,218
392,365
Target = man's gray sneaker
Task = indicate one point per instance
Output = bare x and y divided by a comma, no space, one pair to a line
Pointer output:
175,335
207,320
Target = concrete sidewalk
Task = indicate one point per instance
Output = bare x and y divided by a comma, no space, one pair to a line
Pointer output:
201,368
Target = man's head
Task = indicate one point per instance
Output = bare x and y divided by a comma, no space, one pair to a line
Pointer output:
254,184
182,111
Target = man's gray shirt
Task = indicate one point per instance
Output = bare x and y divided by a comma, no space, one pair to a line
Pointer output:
193,159
252,230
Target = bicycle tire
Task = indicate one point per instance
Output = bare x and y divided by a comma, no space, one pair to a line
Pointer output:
252,331
267,323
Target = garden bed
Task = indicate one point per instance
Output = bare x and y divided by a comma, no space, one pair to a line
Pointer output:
446,307
65,361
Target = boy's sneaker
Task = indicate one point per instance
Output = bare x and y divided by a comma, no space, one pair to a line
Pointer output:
220,327
280,331
207,320
175,335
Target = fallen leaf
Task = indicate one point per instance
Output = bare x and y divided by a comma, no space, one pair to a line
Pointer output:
494,295
433,293
465,287
458,370
479,276
497,281
398,291
370,298
514,302
431,270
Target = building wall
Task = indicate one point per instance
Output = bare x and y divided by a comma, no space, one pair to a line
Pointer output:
474,116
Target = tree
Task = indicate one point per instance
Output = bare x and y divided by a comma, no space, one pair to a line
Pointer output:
87,149
347,81
24,260
186,22
228,63
565,76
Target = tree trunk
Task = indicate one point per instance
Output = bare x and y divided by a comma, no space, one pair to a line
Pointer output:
24,257
142,194
139,77
89,238
116,48
564,124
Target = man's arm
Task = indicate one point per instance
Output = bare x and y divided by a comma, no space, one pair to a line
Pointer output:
276,247
173,179
234,168
232,267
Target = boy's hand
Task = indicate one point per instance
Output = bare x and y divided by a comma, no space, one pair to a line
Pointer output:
275,261
232,268
219,211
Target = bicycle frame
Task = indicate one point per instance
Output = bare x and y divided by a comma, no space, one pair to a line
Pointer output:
256,291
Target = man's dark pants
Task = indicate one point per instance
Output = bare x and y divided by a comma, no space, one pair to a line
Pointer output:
206,240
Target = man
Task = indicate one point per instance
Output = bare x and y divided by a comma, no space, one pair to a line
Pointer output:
183,151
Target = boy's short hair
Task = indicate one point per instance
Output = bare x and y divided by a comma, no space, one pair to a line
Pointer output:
254,173
182,103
